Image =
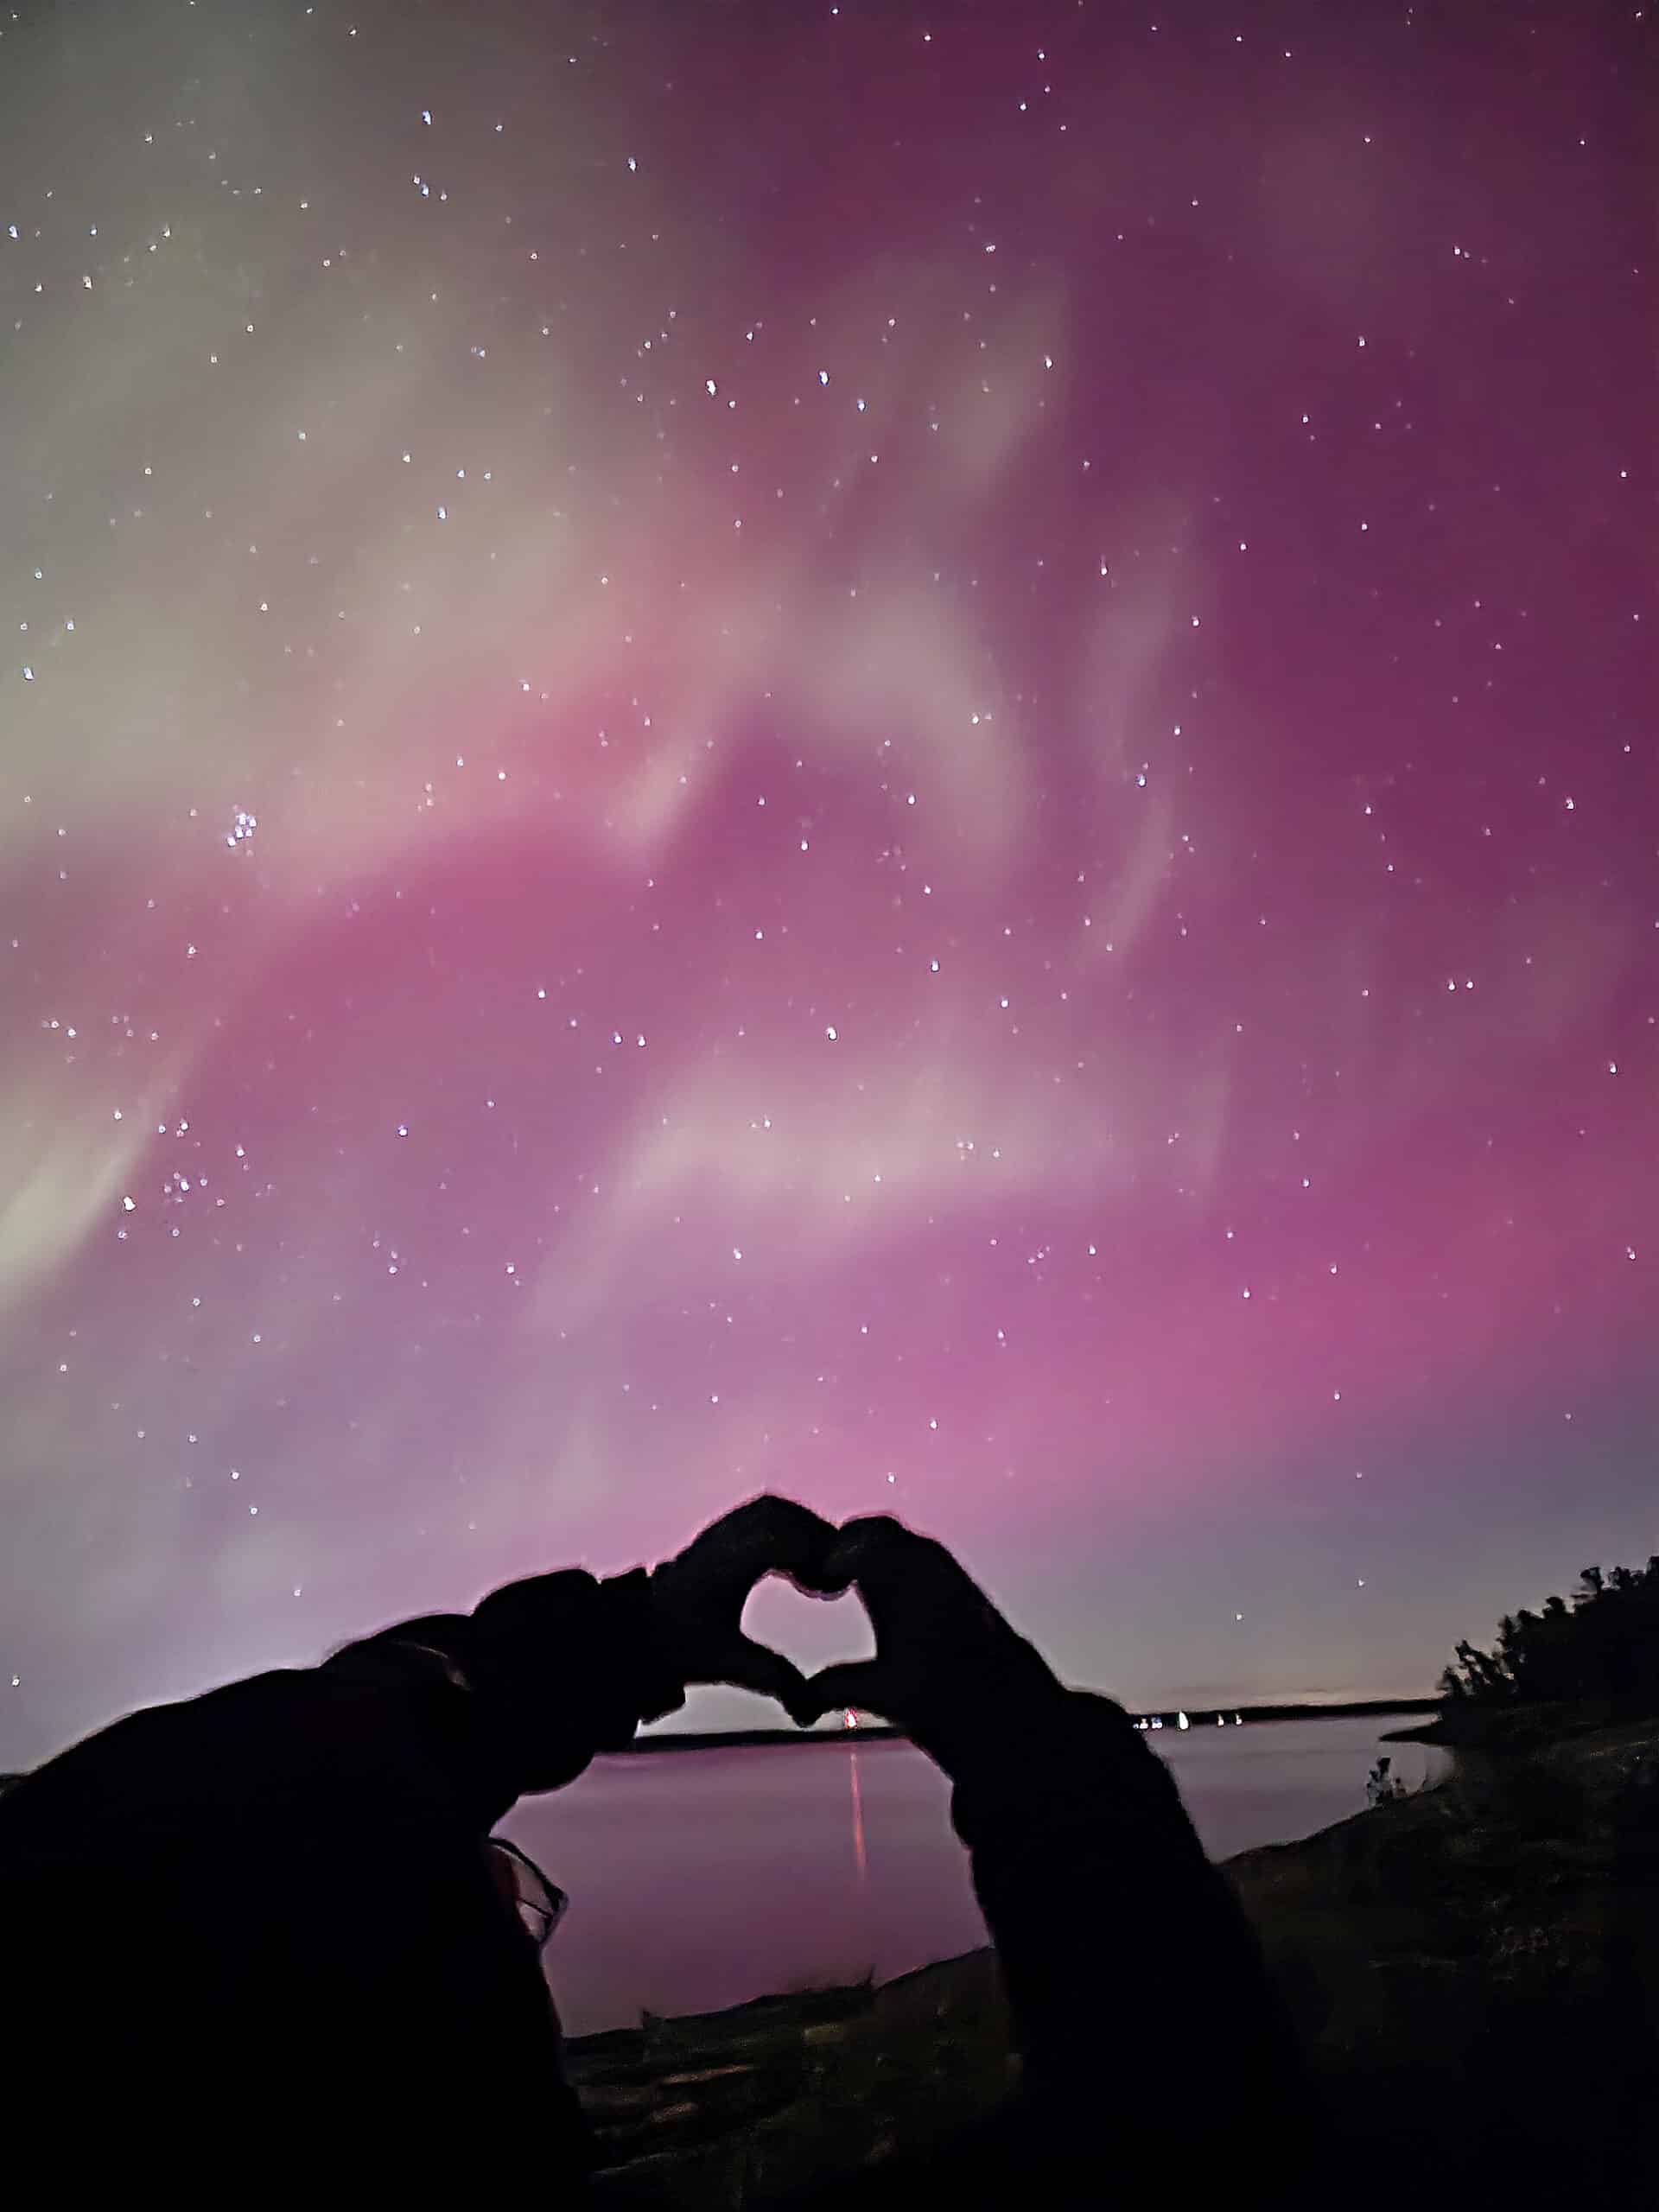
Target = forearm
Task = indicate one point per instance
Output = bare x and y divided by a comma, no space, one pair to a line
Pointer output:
1130,1970
553,1669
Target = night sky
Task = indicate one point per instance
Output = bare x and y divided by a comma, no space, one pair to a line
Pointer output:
908,755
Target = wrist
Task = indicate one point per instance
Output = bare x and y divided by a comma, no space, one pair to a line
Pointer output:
655,1677
1011,1717
1058,1749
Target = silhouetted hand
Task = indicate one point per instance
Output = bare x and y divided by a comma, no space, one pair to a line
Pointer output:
947,1666
698,1597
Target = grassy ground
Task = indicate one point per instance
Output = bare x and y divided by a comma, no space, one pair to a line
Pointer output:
754,2106
1474,1971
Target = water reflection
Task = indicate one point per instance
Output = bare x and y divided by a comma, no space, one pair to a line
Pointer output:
860,1858
702,1878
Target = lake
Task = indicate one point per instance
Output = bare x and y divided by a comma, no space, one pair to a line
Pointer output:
700,1878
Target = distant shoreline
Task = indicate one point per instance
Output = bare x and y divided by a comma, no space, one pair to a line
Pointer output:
735,1739
741,1740
1366,1927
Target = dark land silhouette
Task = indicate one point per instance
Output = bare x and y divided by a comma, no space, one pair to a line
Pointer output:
1471,1972
1602,1644
272,1920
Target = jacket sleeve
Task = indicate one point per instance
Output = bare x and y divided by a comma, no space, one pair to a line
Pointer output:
291,1873
557,1668
1152,2040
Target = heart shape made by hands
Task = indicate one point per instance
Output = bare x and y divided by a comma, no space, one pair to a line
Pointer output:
811,1631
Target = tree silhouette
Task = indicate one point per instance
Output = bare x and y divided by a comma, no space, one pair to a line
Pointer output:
1604,1645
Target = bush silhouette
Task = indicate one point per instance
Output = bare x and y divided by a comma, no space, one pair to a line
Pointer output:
1603,1645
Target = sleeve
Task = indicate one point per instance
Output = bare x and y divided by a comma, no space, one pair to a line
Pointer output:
292,1873
1153,2042
559,1666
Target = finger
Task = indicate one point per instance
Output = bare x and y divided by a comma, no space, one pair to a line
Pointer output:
878,1553
766,1535
859,1682
779,1536
750,1666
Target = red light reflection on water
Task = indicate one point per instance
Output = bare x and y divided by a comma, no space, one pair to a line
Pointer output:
859,1857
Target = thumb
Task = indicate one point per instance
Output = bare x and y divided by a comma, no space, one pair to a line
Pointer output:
752,1666
860,1682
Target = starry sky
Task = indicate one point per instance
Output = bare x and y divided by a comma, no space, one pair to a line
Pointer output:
901,754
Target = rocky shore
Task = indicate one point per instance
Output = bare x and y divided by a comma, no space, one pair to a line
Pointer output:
1474,1971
